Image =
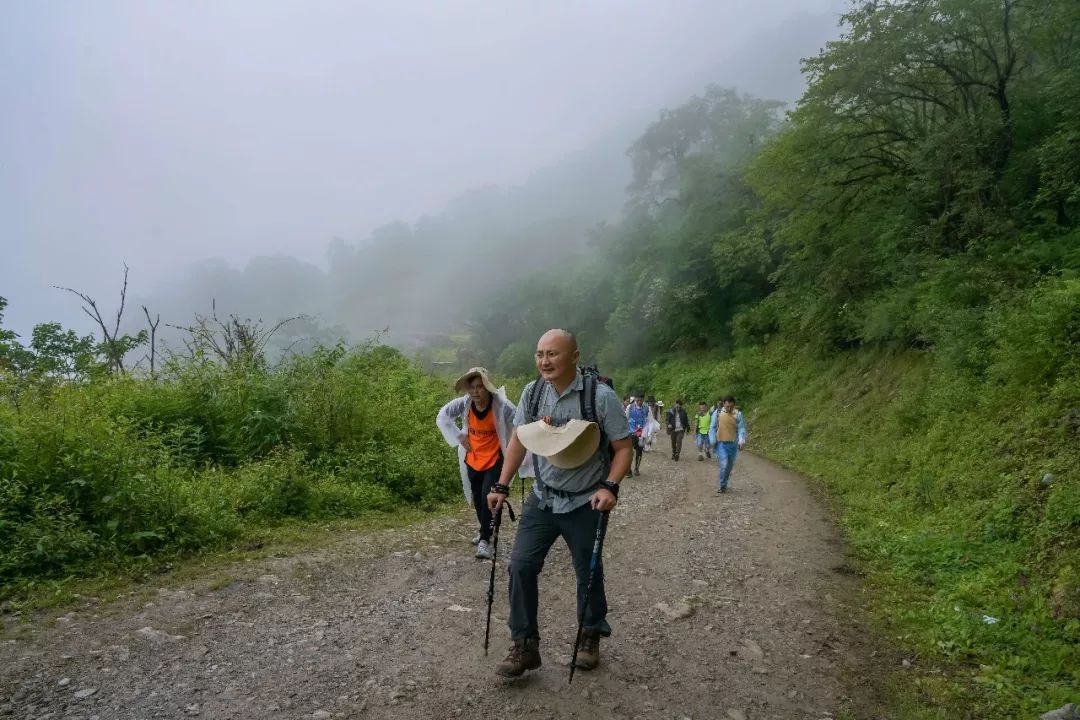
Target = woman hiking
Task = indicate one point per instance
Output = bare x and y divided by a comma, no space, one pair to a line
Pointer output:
487,422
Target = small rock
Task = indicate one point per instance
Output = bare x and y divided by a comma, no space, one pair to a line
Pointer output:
458,608
269,579
63,681
1065,712
1048,479
83,694
736,714
320,714
193,709
906,663
157,636
676,611
752,650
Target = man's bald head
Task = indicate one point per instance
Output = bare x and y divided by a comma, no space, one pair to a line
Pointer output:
556,333
557,357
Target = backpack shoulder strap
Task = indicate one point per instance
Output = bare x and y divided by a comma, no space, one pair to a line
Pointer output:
588,398
534,398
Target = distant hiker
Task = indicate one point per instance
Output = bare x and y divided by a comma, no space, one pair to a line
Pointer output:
701,427
578,467
677,423
487,422
637,415
727,433
656,411
652,423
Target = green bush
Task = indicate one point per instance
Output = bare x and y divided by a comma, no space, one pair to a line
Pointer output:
124,468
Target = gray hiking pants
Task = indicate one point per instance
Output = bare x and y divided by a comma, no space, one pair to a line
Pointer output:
537,531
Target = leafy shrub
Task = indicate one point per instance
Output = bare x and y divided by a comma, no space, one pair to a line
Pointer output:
121,468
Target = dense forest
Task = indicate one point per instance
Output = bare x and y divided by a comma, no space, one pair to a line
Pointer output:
886,274
924,188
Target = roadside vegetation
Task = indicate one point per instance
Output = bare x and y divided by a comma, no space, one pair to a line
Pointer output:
107,471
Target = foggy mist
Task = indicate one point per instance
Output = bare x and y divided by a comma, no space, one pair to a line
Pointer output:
288,158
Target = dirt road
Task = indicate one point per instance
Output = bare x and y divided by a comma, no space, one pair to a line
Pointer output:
723,606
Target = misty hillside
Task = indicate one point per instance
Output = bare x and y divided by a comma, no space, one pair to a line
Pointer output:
419,278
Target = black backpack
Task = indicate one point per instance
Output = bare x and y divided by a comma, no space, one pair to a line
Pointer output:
590,376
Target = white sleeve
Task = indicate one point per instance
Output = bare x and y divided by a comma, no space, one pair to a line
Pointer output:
446,420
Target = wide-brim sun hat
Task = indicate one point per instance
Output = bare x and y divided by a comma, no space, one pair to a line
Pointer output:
462,383
566,446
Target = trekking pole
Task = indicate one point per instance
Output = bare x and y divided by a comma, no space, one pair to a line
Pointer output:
496,521
598,543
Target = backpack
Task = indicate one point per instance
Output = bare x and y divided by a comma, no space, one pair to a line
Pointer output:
590,376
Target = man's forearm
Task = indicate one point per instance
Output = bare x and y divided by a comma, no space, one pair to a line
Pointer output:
620,464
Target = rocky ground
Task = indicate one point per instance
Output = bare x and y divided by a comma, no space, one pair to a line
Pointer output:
735,606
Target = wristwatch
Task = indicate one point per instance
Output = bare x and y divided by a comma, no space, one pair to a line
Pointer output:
611,487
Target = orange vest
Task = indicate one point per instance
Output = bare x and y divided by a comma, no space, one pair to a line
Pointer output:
484,440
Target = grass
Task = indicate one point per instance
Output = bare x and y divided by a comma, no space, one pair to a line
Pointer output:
969,560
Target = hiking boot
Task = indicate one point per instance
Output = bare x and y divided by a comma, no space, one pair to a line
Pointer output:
708,454
524,655
484,551
588,650
476,539
700,457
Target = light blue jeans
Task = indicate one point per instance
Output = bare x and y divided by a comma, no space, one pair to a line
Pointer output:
726,452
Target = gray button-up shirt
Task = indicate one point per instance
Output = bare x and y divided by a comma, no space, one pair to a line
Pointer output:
561,408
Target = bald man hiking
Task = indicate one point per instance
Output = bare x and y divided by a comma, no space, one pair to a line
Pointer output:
578,466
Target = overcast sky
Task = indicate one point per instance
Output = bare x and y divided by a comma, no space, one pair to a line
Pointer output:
161,133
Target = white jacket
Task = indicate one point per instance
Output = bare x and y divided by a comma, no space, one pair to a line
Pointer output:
447,421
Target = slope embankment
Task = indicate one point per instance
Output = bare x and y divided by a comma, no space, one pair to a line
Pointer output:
959,496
